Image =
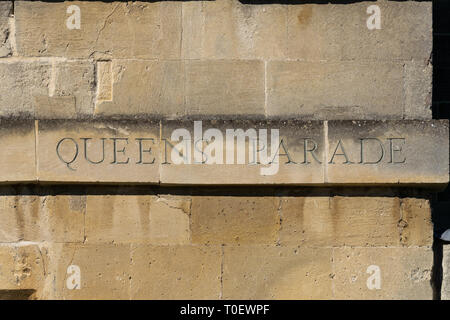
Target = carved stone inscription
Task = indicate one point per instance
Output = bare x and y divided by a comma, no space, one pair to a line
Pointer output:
243,152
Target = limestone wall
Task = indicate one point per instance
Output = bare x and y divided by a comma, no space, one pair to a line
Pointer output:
357,228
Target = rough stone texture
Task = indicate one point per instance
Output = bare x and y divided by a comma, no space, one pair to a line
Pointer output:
227,220
255,62
405,273
175,272
104,271
17,159
137,219
339,32
227,29
335,90
107,30
419,146
139,88
21,267
232,87
76,79
344,221
445,290
5,42
57,218
130,161
17,93
169,220
267,272
418,79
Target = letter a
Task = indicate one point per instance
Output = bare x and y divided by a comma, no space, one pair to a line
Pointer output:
74,279
374,281
374,21
74,21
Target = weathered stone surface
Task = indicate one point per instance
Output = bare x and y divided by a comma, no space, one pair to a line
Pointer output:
138,88
49,218
21,267
335,90
175,272
340,32
344,221
70,151
445,290
418,82
169,220
415,225
104,271
5,32
107,30
299,148
225,29
70,91
75,79
17,159
117,218
225,87
269,272
137,219
17,92
405,273
227,220
398,152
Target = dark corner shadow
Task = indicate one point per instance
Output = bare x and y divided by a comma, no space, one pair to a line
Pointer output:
233,191
20,294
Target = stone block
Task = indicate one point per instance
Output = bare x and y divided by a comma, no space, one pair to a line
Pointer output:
383,273
175,272
106,30
335,90
17,159
71,151
269,272
141,88
235,220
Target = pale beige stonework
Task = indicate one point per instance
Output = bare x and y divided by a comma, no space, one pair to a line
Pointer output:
398,147
335,90
17,159
104,271
85,151
140,88
22,267
107,30
339,32
234,220
137,219
175,272
53,218
405,273
89,180
269,272
231,87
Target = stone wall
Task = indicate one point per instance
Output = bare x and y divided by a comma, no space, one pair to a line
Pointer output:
335,232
